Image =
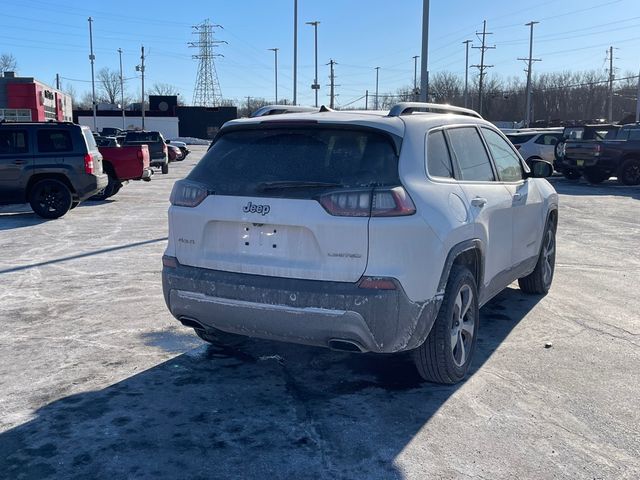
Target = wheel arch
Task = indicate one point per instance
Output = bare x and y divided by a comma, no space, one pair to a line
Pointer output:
470,254
48,176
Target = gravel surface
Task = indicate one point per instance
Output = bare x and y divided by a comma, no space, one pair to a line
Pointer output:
97,380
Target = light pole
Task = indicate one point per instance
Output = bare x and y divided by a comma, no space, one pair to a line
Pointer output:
140,68
122,90
415,76
377,72
295,52
466,73
424,66
275,51
315,85
92,58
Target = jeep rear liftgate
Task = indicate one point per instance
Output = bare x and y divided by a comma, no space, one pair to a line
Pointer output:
275,237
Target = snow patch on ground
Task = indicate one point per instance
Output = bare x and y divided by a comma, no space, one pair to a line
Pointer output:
192,140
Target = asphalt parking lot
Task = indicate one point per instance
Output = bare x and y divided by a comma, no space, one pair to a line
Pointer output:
97,380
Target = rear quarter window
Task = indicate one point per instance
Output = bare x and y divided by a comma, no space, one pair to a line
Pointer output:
438,156
52,141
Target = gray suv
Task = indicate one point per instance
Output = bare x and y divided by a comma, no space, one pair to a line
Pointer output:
53,166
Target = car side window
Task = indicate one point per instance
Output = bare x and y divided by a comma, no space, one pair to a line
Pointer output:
507,162
438,157
13,141
470,154
51,141
547,139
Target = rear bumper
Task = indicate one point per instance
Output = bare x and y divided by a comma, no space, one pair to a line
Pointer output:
308,312
159,161
90,185
580,163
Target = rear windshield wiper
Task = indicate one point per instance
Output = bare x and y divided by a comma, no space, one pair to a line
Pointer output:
288,184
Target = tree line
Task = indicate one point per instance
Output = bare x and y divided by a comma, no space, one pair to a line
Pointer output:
561,96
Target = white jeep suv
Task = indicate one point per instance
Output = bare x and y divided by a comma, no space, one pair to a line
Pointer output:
359,231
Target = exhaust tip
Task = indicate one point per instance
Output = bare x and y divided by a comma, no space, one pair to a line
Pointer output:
343,345
191,322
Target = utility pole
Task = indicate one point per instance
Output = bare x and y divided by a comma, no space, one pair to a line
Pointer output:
482,67
415,77
295,52
530,60
58,81
376,101
248,106
466,73
315,85
142,72
366,98
332,84
611,78
424,66
122,91
638,101
275,51
92,58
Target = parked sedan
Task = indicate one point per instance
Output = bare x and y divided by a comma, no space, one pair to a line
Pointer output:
175,154
181,145
536,145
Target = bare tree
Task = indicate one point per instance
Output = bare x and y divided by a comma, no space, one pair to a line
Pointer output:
8,63
161,88
109,85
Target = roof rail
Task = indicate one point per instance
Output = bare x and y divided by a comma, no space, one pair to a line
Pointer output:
407,108
280,109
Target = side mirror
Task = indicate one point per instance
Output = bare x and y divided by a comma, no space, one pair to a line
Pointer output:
167,141
540,169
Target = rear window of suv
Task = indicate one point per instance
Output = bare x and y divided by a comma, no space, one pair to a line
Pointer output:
254,161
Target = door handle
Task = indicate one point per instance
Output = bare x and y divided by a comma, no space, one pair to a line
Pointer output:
479,202
517,196
20,162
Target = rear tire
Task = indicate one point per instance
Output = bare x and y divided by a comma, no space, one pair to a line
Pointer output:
110,190
165,168
50,198
570,174
447,352
220,338
595,177
539,281
629,173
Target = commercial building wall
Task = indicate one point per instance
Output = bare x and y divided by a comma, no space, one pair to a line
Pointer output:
168,126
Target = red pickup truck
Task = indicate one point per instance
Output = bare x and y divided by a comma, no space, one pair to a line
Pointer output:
122,164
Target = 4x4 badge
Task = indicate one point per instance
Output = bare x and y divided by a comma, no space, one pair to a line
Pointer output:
252,208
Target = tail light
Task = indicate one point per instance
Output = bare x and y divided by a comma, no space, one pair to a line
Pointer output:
164,148
187,194
382,202
88,163
597,149
140,155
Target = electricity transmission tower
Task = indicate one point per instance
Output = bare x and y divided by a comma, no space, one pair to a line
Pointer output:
207,90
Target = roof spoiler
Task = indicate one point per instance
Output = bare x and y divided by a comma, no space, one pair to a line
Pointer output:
280,109
407,108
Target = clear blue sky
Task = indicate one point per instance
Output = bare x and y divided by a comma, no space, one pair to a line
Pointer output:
49,37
